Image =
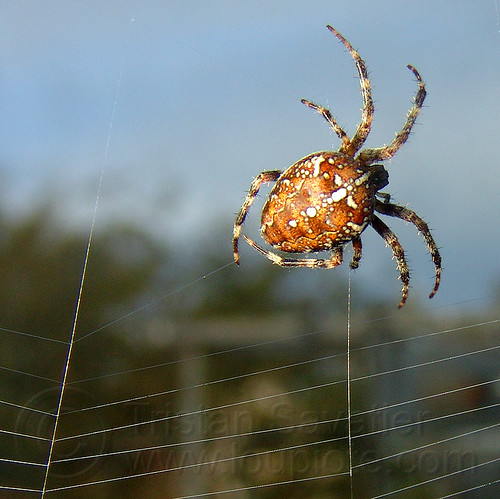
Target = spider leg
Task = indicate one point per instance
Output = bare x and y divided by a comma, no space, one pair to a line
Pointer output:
368,156
356,257
262,178
346,141
364,127
397,250
312,263
408,215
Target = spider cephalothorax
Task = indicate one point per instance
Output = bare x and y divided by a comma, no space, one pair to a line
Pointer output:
328,198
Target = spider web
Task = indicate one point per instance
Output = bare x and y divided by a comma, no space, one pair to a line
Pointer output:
368,422
361,406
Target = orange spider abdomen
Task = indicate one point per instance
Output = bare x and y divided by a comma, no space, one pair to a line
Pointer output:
321,202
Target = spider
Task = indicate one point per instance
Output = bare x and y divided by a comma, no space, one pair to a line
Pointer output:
328,198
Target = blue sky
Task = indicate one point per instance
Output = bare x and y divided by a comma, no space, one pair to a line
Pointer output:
183,103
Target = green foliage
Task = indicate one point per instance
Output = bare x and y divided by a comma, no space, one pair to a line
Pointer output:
256,350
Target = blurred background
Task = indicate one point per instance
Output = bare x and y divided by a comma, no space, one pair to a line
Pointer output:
164,112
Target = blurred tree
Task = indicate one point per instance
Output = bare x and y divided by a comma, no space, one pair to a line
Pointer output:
135,285
41,267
